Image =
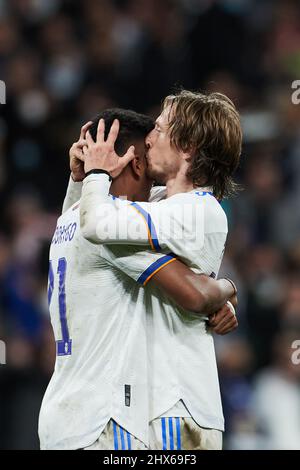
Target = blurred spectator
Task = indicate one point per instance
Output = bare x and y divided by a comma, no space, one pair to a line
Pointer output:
276,401
235,360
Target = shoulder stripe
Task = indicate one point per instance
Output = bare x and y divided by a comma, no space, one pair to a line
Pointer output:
152,235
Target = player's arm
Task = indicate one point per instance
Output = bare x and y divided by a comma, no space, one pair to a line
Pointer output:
104,220
191,291
73,194
176,225
77,170
200,294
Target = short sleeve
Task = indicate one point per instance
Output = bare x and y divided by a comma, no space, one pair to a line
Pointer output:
179,226
138,265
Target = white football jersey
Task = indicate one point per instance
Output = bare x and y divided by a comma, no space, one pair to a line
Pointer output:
98,318
192,226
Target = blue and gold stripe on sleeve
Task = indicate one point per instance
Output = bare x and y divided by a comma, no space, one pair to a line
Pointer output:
155,267
152,235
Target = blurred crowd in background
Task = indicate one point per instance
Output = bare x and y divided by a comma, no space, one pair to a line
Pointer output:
65,60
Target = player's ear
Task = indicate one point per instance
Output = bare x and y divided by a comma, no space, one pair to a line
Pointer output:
186,155
138,166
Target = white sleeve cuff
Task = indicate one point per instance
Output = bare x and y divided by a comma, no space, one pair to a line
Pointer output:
102,179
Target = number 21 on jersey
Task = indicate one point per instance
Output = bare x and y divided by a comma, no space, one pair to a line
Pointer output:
63,346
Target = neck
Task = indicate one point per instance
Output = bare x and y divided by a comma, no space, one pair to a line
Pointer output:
120,188
179,184
133,189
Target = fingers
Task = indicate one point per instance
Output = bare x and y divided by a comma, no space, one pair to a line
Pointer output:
220,325
84,129
113,133
85,150
112,136
224,313
100,131
128,156
79,155
224,320
89,139
81,143
76,149
121,162
226,327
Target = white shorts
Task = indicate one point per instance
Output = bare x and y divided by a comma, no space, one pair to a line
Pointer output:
114,437
166,433
178,433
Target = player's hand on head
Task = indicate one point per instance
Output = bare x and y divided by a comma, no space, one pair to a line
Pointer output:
224,321
77,155
102,155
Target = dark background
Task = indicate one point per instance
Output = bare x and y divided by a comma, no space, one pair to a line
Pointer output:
62,62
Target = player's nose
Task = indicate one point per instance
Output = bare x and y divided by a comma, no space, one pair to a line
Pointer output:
149,140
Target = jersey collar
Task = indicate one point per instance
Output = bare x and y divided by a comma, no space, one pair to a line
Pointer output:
206,189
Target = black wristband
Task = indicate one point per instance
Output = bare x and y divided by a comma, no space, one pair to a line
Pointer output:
97,171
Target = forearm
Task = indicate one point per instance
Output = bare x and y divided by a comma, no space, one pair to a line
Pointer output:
73,194
216,293
194,292
104,220
94,195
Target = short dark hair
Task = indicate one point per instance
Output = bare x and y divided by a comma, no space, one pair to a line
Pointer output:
207,126
133,126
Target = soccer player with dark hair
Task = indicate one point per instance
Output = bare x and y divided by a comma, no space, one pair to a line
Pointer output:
194,149
99,394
